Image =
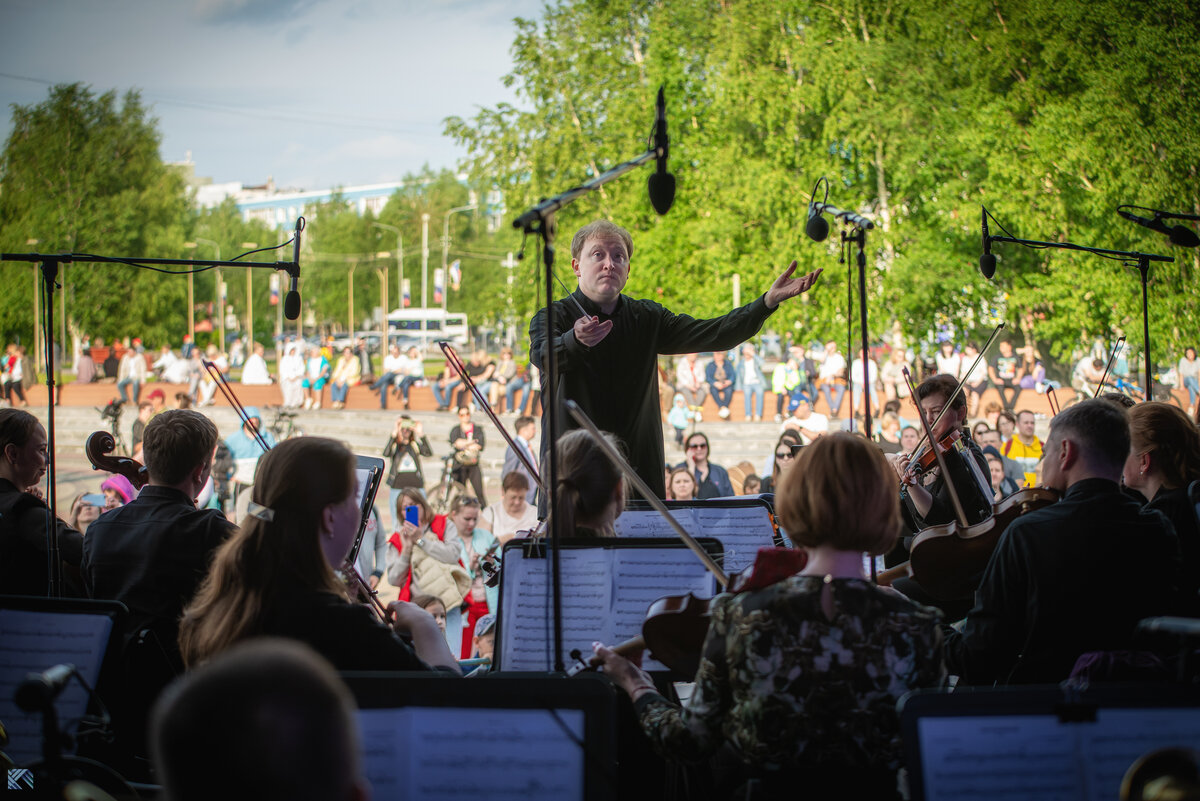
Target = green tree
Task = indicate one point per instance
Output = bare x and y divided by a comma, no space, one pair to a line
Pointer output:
918,113
81,173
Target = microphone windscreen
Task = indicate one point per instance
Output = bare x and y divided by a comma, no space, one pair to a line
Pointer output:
291,305
817,228
987,265
661,186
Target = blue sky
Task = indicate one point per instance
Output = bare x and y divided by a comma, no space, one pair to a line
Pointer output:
315,93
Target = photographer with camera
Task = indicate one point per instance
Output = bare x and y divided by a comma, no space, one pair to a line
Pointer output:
405,447
468,440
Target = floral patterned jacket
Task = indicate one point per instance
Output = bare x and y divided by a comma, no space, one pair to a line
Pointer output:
786,686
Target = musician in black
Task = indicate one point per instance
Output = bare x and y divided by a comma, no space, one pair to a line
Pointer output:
926,496
1075,576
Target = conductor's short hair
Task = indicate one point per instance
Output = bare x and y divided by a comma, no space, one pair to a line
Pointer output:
268,719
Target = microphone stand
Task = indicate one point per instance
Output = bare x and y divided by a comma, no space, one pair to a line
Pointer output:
50,263
539,221
1130,258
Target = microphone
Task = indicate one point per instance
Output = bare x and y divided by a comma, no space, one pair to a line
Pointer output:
817,227
291,301
987,262
39,690
1184,237
661,184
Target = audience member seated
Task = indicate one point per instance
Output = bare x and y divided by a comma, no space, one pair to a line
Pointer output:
24,516
84,510
798,681
784,458
712,481
1164,459
346,373
254,371
1040,603
268,721
275,576
681,485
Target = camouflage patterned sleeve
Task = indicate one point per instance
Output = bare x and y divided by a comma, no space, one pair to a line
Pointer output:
695,731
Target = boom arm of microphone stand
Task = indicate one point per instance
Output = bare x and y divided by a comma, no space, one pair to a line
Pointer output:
848,216
1121,254
541,211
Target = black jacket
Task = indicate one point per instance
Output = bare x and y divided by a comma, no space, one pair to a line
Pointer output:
23,566
1073,577
616,381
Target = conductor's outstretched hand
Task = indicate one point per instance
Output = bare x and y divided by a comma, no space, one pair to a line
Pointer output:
786,287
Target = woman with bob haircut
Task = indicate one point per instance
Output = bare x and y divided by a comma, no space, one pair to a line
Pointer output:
798,682
275,575
1164,459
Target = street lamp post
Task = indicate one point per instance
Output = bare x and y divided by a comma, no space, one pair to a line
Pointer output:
249,344
220,290
424,259
350,295
37,306
446,250
399,278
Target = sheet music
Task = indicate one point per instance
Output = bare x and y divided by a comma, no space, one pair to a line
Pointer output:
527,631
31,642
644,575
504,754
742,530
989,758
997,758
1119,737
606,592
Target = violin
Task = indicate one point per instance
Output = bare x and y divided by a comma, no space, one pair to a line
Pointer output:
947,559
923,459
676,625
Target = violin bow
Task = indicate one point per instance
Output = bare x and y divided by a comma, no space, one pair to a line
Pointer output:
231,397
634,479
958,509
1104,376
455,362
982,352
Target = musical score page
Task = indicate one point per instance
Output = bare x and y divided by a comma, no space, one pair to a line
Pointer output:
510,753
1017,757
31,642
741,529
527,634
606,592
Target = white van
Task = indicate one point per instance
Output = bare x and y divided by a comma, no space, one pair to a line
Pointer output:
428,326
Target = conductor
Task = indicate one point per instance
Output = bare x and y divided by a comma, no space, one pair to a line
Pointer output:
607,356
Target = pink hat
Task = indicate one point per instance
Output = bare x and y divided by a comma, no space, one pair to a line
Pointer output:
121,486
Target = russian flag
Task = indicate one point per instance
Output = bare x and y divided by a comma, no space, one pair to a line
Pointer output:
439,285
406,298
456,274
275,289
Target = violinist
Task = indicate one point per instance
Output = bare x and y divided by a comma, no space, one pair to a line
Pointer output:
924,502
798,682
1075,576
1164,459
926,498
275,576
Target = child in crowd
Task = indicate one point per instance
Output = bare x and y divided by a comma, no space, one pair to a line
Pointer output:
435,607
680,417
